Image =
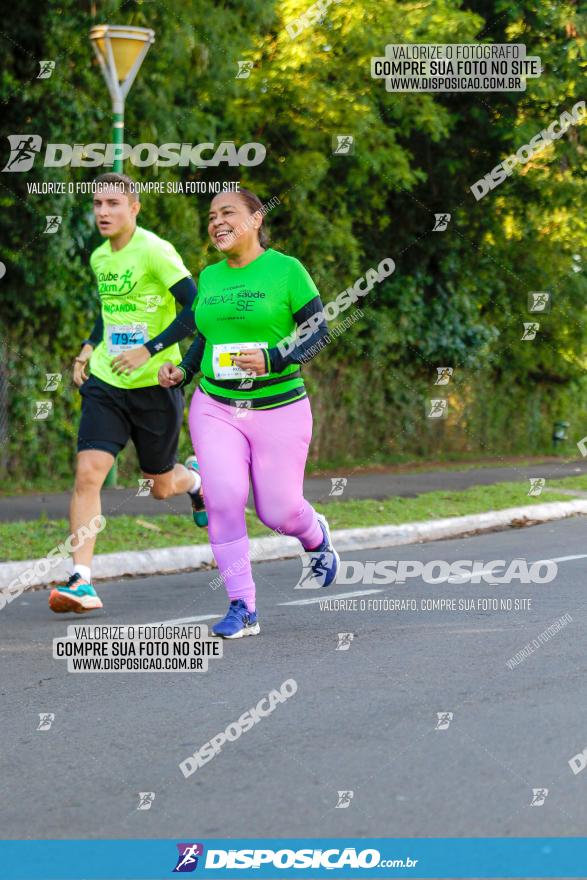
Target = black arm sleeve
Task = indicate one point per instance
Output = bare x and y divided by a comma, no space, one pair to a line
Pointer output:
95,337
192,360
185,292
312,338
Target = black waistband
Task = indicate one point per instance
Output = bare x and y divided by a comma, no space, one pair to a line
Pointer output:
261,403
237,384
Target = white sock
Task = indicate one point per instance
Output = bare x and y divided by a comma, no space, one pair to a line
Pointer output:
84,572
197,483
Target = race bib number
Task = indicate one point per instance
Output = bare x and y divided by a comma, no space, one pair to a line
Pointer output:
222,356
121,337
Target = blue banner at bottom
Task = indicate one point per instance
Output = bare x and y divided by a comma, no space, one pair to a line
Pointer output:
274,858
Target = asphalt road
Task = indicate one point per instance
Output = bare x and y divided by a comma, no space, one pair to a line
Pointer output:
379,484
362,720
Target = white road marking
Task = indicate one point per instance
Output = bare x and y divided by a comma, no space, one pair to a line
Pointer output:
325,596
181,620
562,558
462,579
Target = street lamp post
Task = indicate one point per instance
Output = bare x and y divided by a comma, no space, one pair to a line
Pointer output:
120,51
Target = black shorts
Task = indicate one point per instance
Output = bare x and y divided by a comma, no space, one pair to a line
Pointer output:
151,417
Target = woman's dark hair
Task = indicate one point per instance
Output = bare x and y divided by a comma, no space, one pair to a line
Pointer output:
254,204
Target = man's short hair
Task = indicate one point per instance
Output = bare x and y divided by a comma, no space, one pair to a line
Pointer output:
123,183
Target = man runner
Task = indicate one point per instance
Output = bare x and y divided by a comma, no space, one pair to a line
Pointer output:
140,278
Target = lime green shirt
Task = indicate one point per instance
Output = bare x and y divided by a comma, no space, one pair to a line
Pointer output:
133,284
252,304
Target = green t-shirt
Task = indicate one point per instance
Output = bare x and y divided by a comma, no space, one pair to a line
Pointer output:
253,304
133,284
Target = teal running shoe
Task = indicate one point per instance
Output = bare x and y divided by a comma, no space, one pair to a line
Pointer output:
76,595
197,498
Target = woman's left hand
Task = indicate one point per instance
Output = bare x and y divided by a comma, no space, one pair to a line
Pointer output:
251,362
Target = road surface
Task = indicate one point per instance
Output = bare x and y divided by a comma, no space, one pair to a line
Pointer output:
363,720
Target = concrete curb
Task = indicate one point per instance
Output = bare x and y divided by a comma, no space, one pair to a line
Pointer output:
32,573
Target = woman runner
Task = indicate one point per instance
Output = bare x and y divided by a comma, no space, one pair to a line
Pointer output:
251,416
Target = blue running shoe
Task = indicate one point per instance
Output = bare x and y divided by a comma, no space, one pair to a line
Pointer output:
238,622
76,595
197,498
324,560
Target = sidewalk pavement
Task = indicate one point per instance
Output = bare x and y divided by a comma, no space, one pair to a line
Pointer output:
375,484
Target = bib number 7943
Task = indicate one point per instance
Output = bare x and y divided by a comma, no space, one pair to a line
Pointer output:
122,337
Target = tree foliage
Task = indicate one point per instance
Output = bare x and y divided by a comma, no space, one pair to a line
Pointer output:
457,298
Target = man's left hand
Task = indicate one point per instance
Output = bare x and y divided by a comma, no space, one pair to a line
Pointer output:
130,360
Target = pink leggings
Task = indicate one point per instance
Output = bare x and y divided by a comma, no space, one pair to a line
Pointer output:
272,446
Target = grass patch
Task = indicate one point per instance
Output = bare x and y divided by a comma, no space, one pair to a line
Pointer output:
31,540
579,482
